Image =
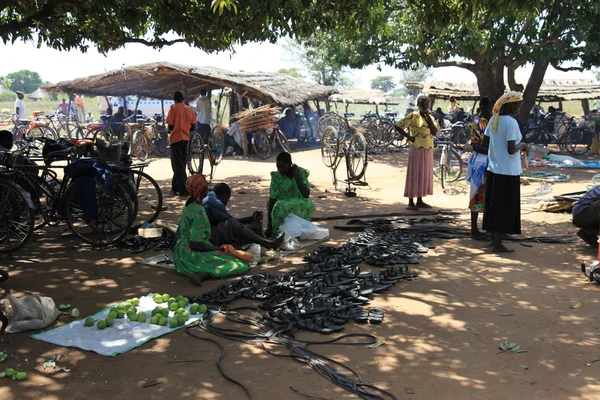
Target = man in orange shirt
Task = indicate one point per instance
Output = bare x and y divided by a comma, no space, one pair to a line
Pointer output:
180,120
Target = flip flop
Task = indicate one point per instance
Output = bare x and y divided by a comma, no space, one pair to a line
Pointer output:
359,315
375,316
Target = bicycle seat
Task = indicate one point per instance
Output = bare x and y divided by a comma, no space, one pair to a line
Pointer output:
81,142
36,113
391,114
348,114
96,126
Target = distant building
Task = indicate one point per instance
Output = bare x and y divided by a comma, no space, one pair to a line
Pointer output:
148,107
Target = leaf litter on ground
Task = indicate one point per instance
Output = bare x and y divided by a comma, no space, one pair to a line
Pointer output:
510,347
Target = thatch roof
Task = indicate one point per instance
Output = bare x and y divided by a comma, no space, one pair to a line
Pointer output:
551,90
362,96
160,80
38,93
4,89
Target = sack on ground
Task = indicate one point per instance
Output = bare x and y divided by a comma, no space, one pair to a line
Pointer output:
296,227
28,313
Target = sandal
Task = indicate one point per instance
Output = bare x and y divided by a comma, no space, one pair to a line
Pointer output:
375,316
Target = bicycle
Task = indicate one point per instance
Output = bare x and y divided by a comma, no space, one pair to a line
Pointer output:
63,205
578,139
197,150
61,124
264,143
350,145
16,215
449,167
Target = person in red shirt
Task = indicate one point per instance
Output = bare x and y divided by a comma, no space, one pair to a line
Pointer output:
180,120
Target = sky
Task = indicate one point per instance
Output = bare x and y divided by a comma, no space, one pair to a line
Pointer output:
55,66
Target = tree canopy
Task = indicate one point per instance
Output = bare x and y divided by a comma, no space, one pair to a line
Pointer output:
487,38
316,56
23,80
211,26
384,82
293,72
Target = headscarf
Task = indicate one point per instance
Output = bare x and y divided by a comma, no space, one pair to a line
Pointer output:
195,185
510,97
420,98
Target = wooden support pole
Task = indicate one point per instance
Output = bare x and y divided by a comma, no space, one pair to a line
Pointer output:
240,102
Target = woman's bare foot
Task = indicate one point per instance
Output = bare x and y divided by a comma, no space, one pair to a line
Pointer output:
421,204
478,235
502,249
412,207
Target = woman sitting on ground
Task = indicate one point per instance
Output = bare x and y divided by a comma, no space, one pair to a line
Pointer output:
194,254
289,194
236,231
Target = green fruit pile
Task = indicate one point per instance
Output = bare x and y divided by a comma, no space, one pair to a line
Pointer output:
16,375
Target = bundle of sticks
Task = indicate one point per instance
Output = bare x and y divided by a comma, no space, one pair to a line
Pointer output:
258,119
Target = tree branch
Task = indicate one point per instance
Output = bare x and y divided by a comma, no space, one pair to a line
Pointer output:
434,63
567,69
149,43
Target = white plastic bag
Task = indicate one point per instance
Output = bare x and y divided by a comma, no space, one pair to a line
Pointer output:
296,227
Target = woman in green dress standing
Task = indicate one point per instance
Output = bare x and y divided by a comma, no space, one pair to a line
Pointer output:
289,194
193,253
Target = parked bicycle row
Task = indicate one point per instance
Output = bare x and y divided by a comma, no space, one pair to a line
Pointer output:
101,195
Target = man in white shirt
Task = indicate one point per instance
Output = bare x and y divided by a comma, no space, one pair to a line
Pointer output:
203,109
410,102
19,106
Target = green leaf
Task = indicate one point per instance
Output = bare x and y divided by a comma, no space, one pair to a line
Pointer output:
377,344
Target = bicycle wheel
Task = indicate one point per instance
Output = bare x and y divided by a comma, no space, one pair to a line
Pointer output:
261,145
356,156
160,141
330,146
98,133
216,143
140,146
35,134
149,197
195,153
74,130
113,220
454,166
578,141
283,141
460,137
16,217
440,155
370,131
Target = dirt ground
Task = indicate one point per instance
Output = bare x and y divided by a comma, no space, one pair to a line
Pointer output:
442,331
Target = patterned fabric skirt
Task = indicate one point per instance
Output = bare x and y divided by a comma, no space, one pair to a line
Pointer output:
476,178
419,175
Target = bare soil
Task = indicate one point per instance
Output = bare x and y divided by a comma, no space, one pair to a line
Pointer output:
442,331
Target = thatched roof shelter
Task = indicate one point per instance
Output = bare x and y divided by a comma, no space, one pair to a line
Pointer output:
4,89
551,90
160,80
37,94
362,96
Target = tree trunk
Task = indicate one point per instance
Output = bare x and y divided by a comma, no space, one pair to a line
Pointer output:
490,79
531,90
585,104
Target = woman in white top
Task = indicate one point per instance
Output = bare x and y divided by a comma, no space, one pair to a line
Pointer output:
502,211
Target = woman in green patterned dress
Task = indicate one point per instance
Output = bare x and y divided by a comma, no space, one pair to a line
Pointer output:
289,194
193,253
